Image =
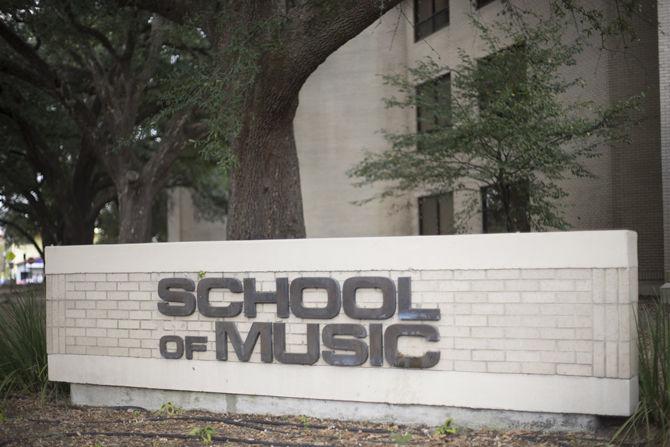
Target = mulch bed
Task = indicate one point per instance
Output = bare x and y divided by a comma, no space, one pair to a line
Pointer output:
29,422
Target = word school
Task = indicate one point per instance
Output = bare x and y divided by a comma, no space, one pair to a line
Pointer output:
345,342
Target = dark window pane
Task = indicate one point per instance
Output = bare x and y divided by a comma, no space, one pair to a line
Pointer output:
481,3
424,10
492,212
443,98
429,16
424,29
436,214
495,219
428,216
441,19
441,5
446,205
433,104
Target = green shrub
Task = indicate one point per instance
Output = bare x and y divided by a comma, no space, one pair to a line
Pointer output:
23,351
169,409
401,438
204,433
446,429
651,419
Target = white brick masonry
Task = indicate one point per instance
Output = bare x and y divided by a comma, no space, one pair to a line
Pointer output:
570,321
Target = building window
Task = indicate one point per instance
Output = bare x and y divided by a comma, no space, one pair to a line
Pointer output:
433,99
496,219
436,214
429,16
482,3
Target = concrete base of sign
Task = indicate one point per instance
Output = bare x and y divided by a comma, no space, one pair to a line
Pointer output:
98,395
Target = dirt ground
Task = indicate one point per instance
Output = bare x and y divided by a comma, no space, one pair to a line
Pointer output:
29,422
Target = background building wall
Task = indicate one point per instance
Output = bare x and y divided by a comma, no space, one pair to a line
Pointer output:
341,114
185,222
664,100
637,169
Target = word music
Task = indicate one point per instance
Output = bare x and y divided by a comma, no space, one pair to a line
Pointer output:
345,343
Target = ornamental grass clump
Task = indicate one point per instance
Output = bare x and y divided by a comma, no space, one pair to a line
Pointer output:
23,350
651,419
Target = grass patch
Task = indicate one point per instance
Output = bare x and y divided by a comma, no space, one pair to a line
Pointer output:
23,350
651,419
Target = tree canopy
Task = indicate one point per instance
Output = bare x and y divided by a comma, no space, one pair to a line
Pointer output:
100,73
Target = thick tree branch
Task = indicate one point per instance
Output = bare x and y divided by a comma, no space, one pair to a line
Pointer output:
31,77
92,32
156,39
320,28
26,51
171,146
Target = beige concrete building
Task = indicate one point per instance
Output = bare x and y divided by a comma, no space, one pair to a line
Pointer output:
341,114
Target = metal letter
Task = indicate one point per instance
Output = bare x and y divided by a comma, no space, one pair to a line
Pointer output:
405,311
225,329
162,346
395,358
332,288
331,333
251,297
195,344
376,344
387,288
172,296
204,306
308,358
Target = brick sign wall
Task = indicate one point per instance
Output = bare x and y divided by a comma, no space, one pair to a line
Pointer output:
529,322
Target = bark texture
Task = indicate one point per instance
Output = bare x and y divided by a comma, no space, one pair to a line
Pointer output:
265,200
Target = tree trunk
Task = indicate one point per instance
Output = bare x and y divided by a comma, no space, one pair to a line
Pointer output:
78,231
135,200
265,198
79,218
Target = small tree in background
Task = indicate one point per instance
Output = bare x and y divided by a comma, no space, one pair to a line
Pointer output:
506,135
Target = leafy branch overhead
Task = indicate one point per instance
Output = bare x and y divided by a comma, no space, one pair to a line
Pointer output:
502,122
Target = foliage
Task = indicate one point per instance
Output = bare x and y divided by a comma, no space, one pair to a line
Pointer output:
42,151
304,420
169,409
401,438
446,429
204,433
507,125
23,352
651,419
219,86
594,20
19,229
101,70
